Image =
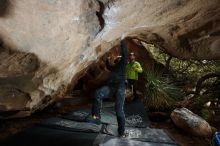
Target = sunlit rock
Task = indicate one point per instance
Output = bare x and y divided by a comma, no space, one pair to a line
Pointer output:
191,123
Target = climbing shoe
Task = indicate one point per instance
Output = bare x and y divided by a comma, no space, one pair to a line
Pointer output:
123,135
93,119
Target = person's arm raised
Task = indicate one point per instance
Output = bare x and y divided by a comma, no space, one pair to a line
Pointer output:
124,52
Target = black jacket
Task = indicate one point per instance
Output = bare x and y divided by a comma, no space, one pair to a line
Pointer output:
118,71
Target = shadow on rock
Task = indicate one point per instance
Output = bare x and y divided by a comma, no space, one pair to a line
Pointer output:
5,6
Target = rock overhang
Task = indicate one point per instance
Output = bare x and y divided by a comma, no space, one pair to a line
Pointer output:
68,36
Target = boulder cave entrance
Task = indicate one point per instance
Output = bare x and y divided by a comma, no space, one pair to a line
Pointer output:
97,74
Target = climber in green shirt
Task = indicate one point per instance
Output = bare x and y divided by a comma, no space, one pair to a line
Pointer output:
133,69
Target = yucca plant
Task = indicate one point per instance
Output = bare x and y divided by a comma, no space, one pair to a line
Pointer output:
159,94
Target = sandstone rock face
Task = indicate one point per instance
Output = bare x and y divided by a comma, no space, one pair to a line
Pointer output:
62,38
14,101
191,123
17,64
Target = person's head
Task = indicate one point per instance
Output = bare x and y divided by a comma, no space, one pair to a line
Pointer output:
118,56
115,56
117,59
114,60
131,56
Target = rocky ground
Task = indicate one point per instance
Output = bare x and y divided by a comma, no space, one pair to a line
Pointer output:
181,137
10,127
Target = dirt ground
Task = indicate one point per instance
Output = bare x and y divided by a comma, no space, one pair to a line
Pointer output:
10,127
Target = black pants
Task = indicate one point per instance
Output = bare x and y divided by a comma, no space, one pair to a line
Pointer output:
132,84
106,92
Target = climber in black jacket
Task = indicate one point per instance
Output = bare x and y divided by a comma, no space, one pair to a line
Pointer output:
115,86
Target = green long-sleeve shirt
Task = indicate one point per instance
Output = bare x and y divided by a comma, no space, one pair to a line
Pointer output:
133,68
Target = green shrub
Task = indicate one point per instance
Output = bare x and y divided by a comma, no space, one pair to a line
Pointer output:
207,114
160,94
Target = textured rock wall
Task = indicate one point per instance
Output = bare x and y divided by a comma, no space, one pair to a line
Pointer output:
57,32
64,37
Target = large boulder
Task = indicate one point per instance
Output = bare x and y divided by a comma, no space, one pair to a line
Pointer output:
191,123
67,37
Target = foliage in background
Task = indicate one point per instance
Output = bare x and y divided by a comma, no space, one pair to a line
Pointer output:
184,74
184,69
161,95
207,114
